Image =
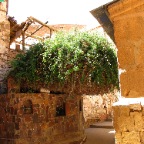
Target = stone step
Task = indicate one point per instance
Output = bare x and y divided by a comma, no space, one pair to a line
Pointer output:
105,124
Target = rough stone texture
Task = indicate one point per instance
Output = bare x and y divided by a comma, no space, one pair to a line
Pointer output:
129,126
98,107
127,17
20,125
4,45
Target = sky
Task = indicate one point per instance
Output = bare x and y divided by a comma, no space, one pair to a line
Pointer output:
56,11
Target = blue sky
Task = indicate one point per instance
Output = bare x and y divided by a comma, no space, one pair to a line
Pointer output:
56,11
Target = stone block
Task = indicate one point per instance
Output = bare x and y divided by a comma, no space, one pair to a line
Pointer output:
135,106
58,128
142,111
125,124
131,137
3,6
118,138
131,127
17,126
4,141
27,118
124,111
35,118
138,120
126,55
132,83
139,56
116,111
142,137
68,108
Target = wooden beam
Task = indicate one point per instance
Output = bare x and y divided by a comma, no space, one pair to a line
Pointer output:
23,41
36,30
33,36
50,33
28,23
38,21
17,42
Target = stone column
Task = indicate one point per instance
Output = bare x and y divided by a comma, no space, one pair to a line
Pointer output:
4,45
127,17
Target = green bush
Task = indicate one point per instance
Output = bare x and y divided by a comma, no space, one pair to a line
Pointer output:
77,57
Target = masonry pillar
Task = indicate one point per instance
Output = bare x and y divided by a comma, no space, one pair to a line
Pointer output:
4,44
127,17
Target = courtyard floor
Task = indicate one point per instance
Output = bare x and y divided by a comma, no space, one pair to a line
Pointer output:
100,133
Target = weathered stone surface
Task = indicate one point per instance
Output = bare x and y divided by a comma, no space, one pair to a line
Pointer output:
118,138
42,125
4,45
127,18
135,107
129,128
124,111
99,107
125,124
131,138
3,6
142,137
138,120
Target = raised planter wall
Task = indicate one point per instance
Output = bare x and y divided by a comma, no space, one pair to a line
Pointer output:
33,118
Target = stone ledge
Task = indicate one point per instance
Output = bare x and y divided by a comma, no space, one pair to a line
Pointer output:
130,101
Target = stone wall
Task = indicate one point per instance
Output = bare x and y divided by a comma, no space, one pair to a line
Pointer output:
4,45
129,121
10,55
38,119
98,107
127,17
3,119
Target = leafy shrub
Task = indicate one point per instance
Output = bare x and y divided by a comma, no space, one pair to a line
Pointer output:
78,58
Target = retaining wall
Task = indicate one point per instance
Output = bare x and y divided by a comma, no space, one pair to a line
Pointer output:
128,121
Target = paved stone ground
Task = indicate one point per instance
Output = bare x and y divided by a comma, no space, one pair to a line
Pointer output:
100,133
